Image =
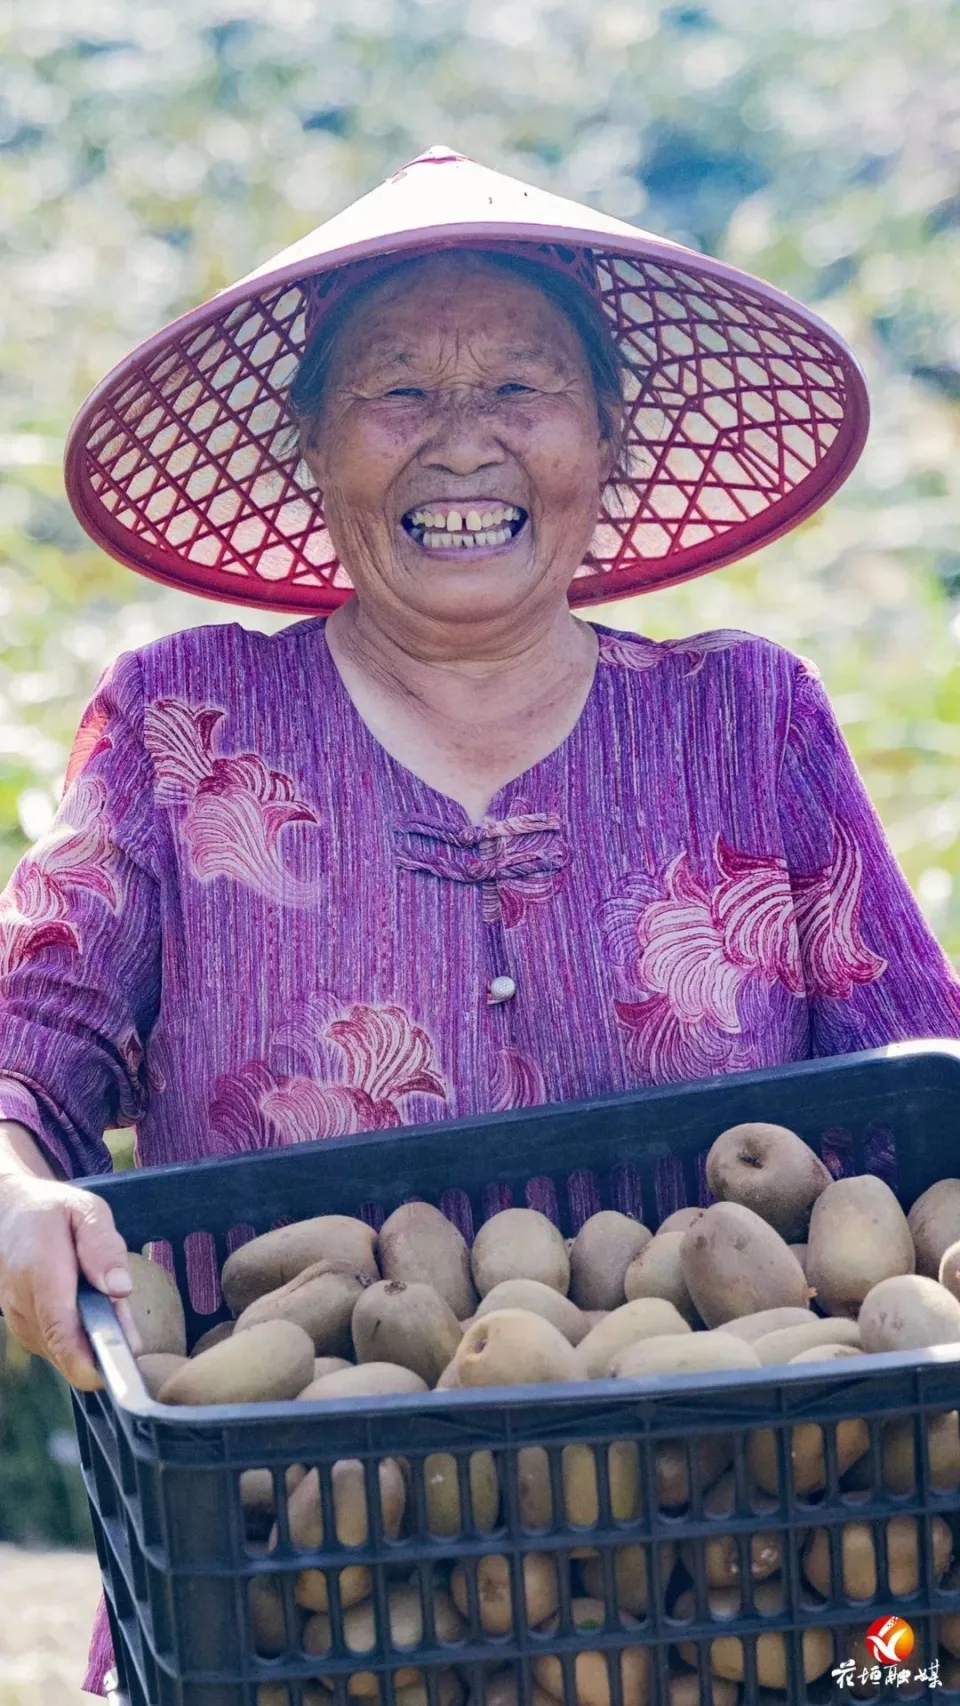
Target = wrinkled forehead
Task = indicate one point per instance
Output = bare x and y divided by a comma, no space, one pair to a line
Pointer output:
438,306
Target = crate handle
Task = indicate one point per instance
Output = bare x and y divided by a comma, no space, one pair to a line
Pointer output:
112,1354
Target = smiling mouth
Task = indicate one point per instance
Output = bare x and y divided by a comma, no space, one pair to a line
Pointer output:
437,527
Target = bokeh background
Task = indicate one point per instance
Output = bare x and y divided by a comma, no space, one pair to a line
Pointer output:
152,152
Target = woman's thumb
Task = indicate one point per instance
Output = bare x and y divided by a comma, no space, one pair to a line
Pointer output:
101,1253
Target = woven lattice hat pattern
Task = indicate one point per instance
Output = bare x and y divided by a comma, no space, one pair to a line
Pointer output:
745,414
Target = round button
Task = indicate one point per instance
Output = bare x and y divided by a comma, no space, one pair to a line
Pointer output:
501,988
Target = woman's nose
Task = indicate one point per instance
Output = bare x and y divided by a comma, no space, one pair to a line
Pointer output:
463,434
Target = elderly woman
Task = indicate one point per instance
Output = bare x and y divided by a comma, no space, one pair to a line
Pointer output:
449,850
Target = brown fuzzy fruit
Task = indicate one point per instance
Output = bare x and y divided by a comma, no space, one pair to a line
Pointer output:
268,1262
272,1361
907,1313
735,1264
519,1243
320,1300
156,1308
858,1236
934,1223
418,1243
602,1252
770,1170
658,1272
537,1299
513,1348
592,1676
409,1324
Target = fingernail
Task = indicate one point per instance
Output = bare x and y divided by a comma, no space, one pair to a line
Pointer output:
118,1282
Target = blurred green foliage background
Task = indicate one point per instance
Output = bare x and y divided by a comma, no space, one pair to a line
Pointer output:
151,153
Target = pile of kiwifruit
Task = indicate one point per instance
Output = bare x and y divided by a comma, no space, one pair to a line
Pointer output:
787,1265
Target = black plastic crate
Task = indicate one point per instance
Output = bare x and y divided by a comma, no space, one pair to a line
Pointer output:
164,1483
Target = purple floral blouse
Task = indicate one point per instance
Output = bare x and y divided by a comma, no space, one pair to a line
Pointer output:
251,927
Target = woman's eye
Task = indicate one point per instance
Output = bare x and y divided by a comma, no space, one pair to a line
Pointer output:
512,388
405,391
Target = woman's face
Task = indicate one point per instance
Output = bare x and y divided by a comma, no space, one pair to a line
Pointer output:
459,447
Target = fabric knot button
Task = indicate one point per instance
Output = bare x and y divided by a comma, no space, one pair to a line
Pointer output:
501,989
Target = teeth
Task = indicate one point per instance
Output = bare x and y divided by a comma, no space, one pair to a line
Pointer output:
443,529
454,521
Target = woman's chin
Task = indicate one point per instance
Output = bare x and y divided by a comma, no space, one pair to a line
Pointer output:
488,584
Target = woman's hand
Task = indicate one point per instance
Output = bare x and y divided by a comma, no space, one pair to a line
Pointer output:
50,1234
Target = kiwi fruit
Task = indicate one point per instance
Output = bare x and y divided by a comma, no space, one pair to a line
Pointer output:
418,1243
534,1487
449,1690
808,1462
631,1575
681,1353
539,1299
898,1448
907,1313
858,1236
370,1380
156,1309
311,1590
643,1319
502,1688
360,1633
258,1496
710,1455
789,1342
684,1690
278,1694
329,1365
581,1490
658,1272
724,1555
212,1336
769,1169
680,1219
493,1587
519,1243
827,1353
156,1369
764,1321
409,1324
734,1263
445,1518
513,1348
350,1506
270,1362
934,1222
320,1299
270,1261
948,1626
600,1256
267,1620
727,1658
903,1542
591,1674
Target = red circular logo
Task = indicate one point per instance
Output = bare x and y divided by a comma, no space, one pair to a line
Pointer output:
890,1640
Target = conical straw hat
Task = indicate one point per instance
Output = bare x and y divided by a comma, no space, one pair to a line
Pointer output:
744,411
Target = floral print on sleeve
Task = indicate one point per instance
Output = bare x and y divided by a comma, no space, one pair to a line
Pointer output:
236,807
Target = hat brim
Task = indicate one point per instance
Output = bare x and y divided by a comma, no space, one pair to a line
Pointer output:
751,413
